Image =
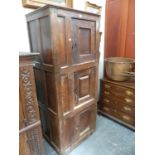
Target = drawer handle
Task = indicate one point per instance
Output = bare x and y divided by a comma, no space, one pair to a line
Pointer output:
106,108
107,86
127,108
106,92
128,92
128,100
106,100
126,117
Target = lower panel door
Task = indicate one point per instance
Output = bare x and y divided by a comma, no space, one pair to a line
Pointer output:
86,121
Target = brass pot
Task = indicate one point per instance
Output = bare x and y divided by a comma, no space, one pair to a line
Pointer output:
117,67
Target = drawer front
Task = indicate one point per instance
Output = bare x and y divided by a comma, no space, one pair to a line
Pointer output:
108,102
125,118
125,101
108,98
125,94
123,91
109,110
126,109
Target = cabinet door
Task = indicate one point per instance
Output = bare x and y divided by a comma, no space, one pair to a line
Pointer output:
78,89
84,86
84,40
78,126
85,122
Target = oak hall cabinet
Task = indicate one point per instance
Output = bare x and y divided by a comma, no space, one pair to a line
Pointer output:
66,73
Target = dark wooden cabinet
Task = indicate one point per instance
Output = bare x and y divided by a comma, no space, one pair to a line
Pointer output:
30,136
66,73
118,101
120,28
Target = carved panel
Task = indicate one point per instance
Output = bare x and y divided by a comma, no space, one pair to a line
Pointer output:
30,109
30,130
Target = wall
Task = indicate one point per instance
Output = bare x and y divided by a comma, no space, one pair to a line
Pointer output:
23,34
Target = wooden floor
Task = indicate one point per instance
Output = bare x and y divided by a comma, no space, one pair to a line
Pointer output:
110,138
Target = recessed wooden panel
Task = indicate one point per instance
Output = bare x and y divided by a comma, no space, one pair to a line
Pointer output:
68,131
85,40
84,84
44,120
41,91
54,131
61,41
86,120
51,92
33,35
84,44
65,93
46,39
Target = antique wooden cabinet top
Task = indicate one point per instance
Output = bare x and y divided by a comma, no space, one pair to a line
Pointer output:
63,36
60,7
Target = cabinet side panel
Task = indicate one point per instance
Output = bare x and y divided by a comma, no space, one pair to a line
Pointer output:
33,36
51,89
61,41
45,34
69,127
54,130
65,94
42,99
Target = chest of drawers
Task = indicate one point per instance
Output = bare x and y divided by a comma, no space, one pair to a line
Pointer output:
117,101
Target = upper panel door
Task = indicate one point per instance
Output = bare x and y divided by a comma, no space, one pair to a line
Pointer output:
83,40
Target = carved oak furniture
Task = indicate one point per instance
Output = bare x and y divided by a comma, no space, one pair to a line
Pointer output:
118,101
30,136
66,73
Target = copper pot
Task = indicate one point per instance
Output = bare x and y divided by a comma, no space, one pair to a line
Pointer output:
117,67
